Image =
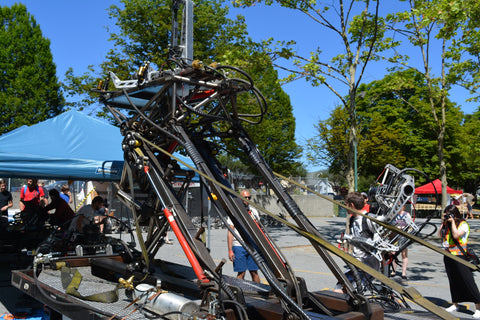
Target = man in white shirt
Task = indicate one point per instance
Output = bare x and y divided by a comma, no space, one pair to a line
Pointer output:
91,212
242,261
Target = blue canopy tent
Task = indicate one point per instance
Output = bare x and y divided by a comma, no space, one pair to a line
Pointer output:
71,146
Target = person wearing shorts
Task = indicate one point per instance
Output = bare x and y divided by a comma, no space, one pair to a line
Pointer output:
242,261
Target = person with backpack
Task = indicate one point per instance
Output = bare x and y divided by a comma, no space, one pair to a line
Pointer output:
31,195
32,199
359,227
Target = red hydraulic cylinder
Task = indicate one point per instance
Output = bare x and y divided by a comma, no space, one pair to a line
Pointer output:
186,248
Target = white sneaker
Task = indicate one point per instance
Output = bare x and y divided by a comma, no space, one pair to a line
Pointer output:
476,315
452,308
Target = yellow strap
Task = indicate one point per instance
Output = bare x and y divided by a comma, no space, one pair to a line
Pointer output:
84,199
409,292
389,227
138,230
71,285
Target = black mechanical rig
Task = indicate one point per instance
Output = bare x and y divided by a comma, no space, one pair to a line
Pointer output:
192,107
196,109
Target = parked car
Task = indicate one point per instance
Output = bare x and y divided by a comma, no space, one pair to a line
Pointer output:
16,189
75,187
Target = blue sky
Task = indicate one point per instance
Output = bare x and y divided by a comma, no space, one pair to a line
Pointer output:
78,31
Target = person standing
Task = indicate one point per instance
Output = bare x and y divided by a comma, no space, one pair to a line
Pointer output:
242,261
41,184
400,221
66,194
359,227
32,199
366,207
31,196
6,201
470,208
460,277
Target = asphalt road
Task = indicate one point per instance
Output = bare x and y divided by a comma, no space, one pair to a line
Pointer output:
425,272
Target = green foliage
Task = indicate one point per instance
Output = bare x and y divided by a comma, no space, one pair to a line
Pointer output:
396,111
145,34
462,25
446,24
330,148
391,131
360,33
467,172
275,136
29,88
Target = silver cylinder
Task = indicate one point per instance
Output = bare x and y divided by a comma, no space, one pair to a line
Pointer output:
165,302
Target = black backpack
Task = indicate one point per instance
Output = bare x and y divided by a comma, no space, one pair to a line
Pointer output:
366,231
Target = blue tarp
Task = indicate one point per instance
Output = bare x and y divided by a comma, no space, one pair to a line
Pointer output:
71,146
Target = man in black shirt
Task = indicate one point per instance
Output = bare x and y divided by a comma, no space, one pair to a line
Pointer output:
6,201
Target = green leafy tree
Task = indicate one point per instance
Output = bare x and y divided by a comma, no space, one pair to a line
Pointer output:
275,136
29,88
391,131
329,148
360,34
461,26
144,35
395,122
440,31
470,154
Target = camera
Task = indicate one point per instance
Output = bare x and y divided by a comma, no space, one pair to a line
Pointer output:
449,215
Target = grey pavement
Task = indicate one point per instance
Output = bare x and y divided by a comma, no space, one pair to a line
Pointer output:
425,272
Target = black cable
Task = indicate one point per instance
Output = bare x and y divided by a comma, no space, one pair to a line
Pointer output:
149,120
243,314
238,70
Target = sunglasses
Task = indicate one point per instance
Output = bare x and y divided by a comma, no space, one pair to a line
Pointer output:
248,198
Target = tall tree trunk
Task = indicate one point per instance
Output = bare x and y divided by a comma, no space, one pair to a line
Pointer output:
443,169
352,143
441,133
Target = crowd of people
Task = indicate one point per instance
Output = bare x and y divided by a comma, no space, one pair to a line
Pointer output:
55,206
454,232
